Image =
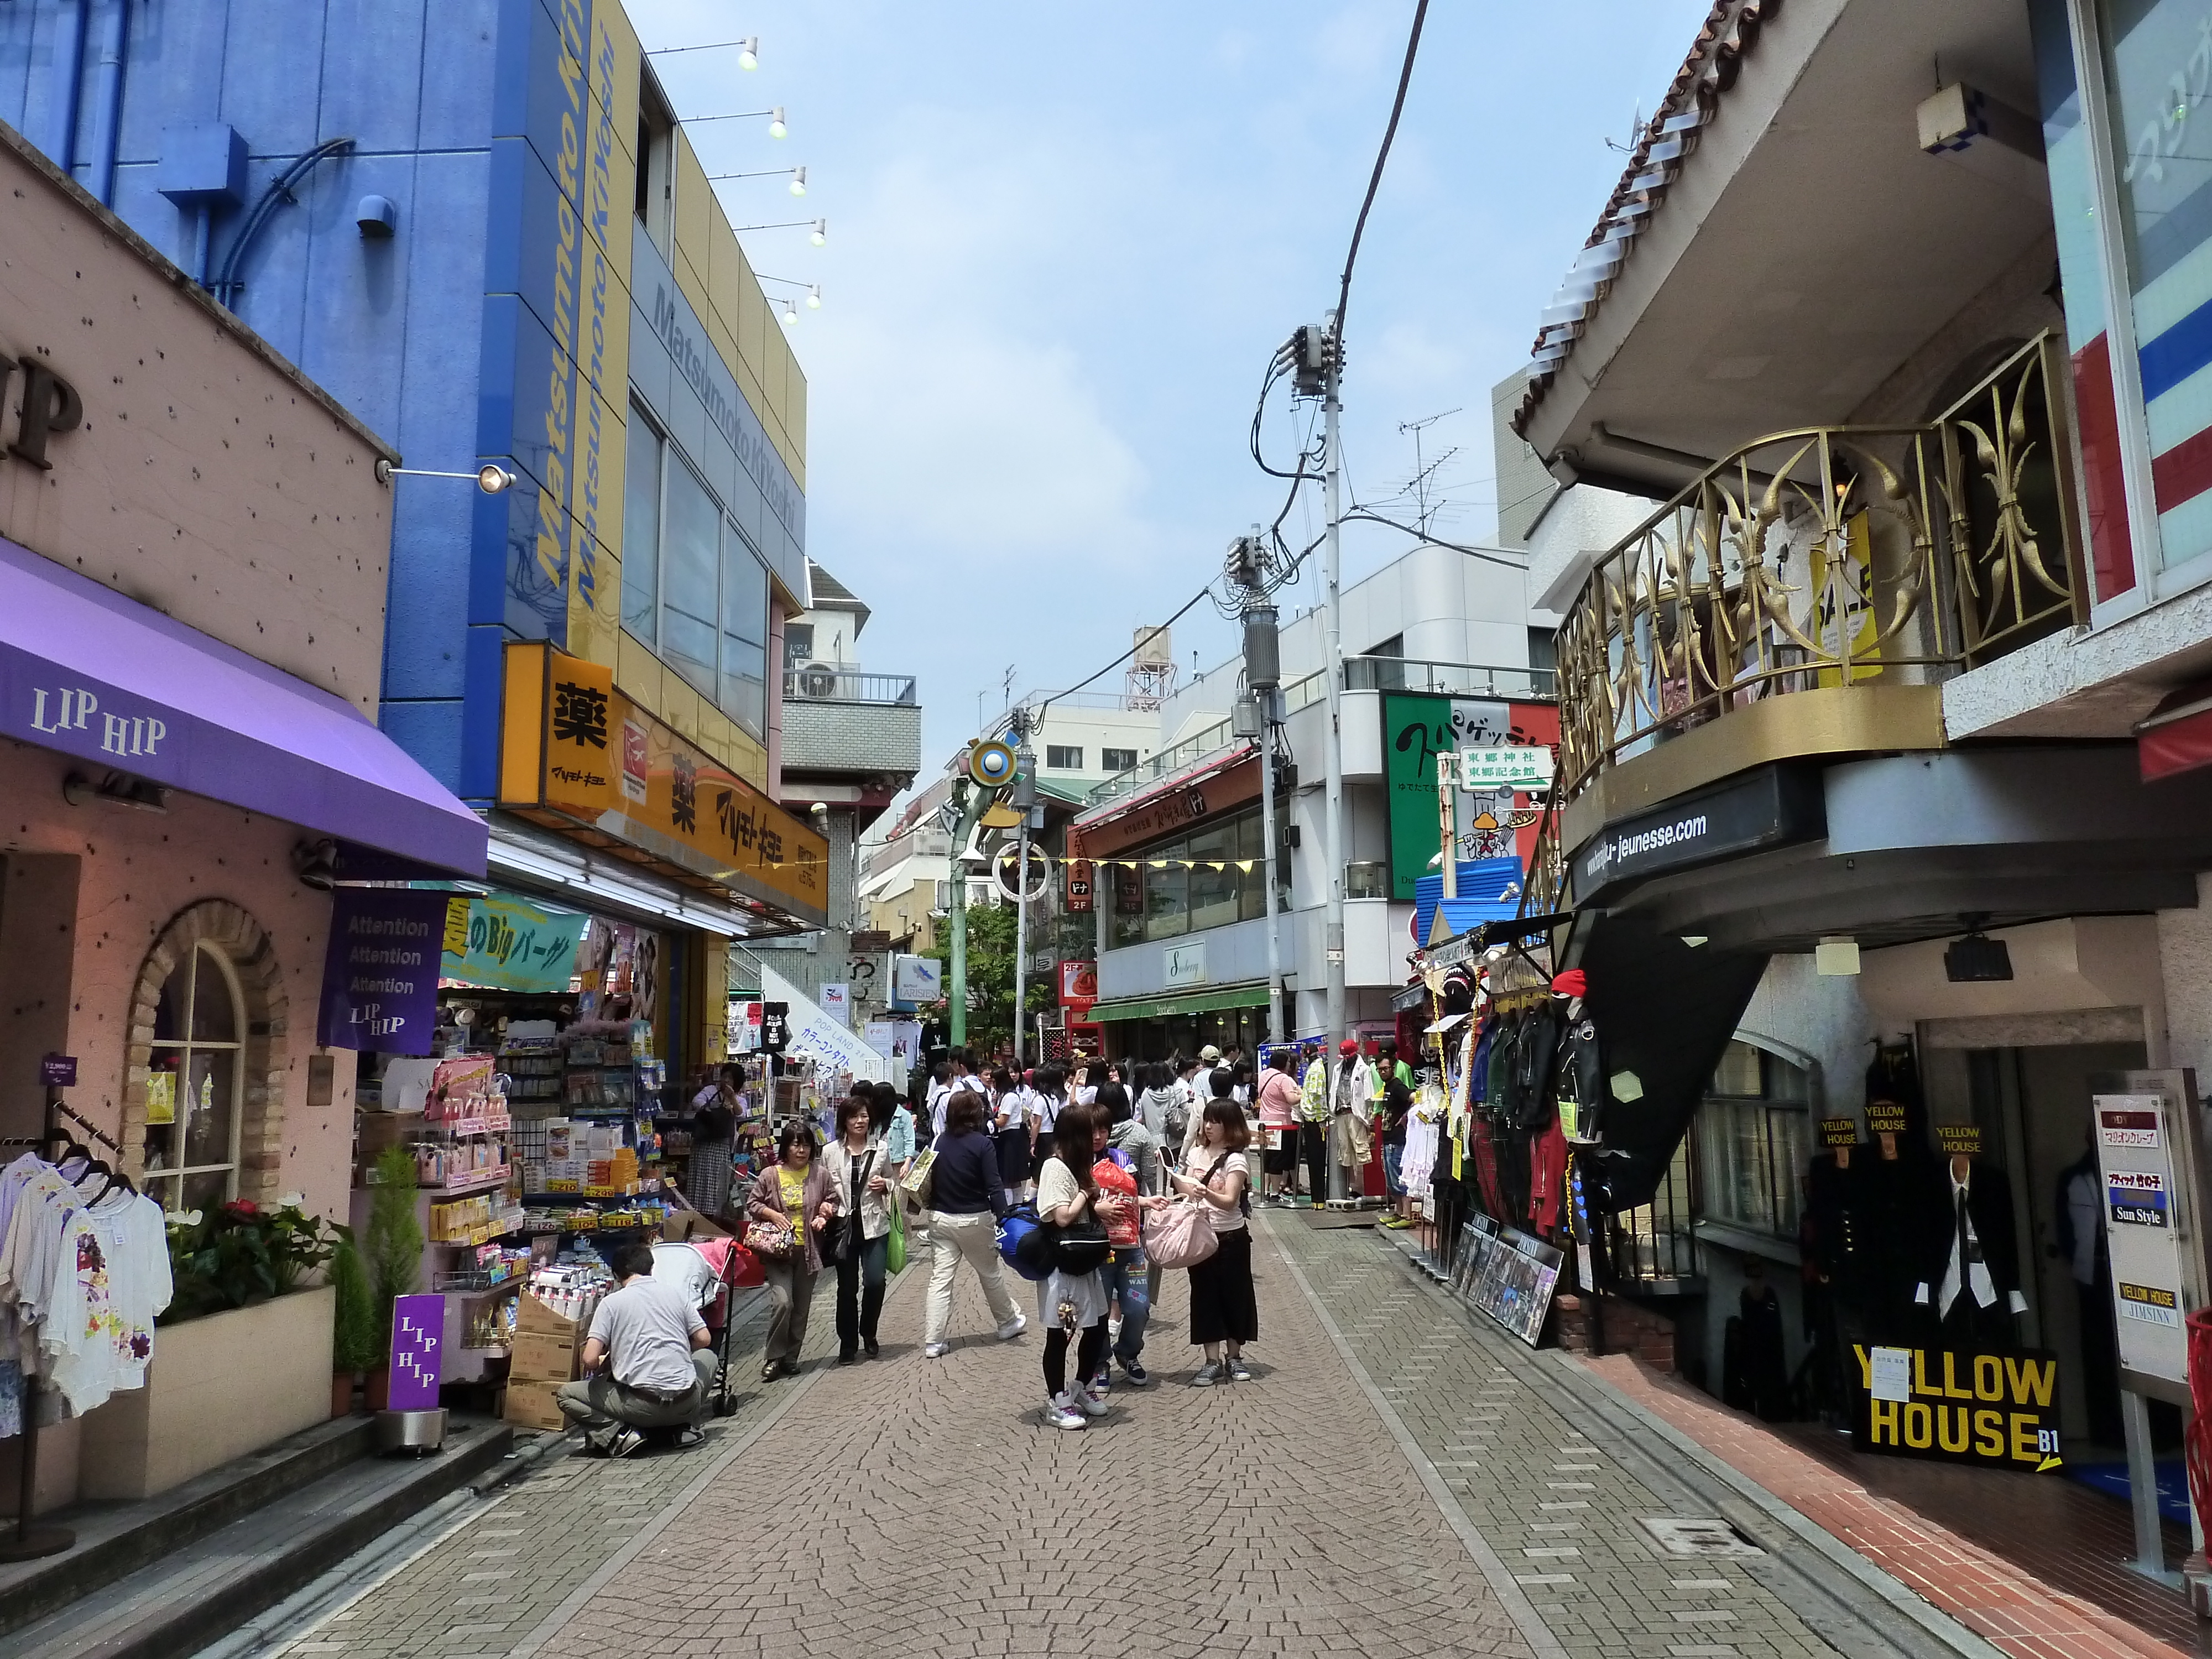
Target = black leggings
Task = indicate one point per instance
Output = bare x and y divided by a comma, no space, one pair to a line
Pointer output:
1090,1354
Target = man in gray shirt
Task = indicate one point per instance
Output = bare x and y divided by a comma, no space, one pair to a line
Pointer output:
646,1363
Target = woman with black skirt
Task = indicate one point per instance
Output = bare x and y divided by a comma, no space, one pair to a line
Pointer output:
1224,1314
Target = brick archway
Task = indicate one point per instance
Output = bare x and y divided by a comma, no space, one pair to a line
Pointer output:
246,944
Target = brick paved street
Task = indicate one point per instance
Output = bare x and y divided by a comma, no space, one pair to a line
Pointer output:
1396,1482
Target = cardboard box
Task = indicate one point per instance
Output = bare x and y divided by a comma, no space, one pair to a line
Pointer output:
533,1317
532,1405
537,1356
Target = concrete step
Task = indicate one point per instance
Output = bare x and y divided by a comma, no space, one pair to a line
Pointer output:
178,1600
116,1539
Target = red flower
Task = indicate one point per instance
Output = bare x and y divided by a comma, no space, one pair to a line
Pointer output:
242,1207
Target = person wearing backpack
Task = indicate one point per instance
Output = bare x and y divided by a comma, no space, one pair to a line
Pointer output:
1073,1305
1161,1107
1225,1313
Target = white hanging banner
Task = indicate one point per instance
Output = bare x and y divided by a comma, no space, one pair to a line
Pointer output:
816,1034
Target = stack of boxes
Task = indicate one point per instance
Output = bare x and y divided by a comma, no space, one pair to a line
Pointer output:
552,1318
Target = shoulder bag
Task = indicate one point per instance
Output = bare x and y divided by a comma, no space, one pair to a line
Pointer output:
1179,1235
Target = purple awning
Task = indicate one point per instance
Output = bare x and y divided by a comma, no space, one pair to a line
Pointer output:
90,673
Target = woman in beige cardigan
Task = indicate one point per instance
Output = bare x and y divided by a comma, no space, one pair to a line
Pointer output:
860,1171
795,1191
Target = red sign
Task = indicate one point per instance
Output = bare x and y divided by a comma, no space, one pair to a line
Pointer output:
1078,984
1169,808
1079,885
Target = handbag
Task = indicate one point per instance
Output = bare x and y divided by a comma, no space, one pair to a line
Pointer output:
773,1241
1179,1235
895,1252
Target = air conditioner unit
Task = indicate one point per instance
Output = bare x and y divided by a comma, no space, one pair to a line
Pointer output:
817,681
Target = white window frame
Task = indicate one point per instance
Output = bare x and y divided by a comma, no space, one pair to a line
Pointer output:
173,1178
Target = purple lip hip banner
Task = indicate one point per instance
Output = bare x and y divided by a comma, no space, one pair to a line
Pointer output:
380,973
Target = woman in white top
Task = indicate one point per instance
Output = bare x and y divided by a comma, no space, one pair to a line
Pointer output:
859,1165
1069,1303
1225,1314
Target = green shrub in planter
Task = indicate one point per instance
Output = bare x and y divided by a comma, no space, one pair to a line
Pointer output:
394,1238
354,1343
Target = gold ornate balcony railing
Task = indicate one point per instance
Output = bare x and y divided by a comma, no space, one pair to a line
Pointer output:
1829,556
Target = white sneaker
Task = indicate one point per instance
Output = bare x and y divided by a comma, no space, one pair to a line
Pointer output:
1013,1327
936,1350
1060,1412
1091,1402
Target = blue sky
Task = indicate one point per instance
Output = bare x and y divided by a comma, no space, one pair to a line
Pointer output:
1064,241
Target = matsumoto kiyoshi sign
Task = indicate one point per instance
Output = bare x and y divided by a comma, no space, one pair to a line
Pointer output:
1770,808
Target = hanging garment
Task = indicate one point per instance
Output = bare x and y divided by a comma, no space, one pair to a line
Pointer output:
1547,1178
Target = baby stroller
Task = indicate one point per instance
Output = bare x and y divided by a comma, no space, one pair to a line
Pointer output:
713,1271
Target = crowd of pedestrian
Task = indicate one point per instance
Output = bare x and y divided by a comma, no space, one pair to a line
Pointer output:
1089,1181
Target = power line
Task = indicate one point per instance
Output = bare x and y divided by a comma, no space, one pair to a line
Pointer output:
1070,692
1374,179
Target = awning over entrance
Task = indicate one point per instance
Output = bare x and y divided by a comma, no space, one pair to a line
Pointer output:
89,673
1210,1001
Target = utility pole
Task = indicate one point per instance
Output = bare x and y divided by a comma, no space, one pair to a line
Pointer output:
1333,677
1263,673
955,905
1026,803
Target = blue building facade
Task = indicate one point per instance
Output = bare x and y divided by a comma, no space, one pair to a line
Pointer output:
476,225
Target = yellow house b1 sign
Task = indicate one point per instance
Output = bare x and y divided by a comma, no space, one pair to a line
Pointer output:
1997,1410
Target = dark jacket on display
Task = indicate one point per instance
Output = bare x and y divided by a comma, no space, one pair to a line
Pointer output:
1989,1208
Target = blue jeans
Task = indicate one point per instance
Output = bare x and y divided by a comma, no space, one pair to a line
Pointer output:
1392,1180
1124,1278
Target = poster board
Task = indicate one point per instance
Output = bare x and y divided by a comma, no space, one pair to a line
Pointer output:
1516,1282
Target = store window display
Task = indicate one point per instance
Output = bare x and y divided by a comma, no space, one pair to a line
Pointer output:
1971,1263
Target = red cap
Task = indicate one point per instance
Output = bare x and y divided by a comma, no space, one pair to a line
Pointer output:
1572,983
1349,1046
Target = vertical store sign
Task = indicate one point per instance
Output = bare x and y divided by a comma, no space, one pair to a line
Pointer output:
557,318
418,1330
380,969
2145,1229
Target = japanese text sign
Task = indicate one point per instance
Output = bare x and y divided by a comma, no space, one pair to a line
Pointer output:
497,940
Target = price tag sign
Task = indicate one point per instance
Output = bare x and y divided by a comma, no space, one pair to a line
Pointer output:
57,1071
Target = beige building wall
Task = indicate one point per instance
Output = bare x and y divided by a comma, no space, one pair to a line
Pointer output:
207,477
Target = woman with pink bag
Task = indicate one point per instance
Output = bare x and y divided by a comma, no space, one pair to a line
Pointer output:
1225,1313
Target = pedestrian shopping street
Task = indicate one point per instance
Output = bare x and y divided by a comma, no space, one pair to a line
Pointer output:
1395,1481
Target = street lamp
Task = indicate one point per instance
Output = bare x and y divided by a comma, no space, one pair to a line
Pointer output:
817,229
491,477
748,51
798,177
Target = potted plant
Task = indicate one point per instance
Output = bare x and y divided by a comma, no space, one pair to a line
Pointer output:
352,1336
395,1257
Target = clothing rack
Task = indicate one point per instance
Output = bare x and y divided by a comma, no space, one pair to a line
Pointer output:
31,1541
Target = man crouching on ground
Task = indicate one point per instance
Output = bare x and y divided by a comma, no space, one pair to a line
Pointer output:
645,1363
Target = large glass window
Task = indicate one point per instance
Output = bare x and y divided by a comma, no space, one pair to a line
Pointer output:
194,1085
693,589
692,577
1213,877
641,571
1196,881
1754,1141
743,690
